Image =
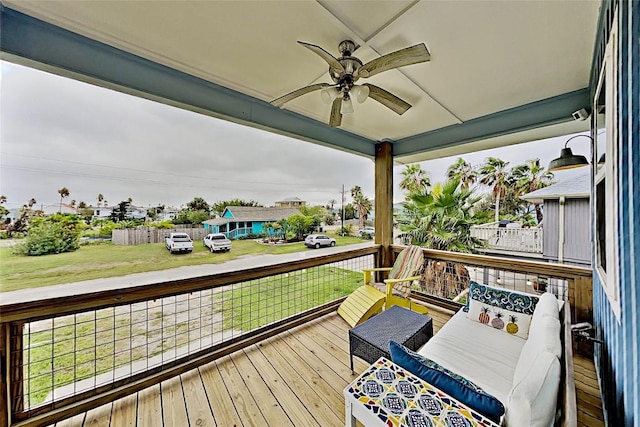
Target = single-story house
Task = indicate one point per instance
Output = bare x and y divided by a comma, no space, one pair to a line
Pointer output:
240,221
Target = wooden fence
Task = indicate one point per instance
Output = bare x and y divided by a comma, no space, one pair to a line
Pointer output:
141,236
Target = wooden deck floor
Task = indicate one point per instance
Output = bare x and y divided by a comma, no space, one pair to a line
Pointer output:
293,379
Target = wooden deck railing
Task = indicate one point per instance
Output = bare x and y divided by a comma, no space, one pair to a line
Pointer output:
510,239
139,336
64,356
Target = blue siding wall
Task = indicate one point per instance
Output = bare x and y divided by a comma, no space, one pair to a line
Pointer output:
618,359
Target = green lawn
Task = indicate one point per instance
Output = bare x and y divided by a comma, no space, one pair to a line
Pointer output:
107,260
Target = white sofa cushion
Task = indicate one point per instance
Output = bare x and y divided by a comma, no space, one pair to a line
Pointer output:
486,356
547,306
532,400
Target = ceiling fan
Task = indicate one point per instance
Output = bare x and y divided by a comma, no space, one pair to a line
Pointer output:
347,70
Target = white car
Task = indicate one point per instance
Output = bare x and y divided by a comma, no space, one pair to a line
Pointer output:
216,242
317,240
369,232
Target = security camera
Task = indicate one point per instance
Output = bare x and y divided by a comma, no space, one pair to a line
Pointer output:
581,114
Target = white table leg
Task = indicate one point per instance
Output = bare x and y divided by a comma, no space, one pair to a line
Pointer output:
349,419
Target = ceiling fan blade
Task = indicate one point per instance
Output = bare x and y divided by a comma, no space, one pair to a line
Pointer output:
330,59
335,119
296,93
388,99
400,58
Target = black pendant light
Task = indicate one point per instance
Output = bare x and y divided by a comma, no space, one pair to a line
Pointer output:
567,159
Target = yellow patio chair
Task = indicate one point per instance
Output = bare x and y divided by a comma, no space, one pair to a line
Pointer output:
370,298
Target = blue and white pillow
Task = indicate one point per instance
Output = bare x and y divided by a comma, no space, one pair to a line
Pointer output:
449,382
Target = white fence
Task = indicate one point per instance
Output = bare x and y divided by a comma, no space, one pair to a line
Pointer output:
143,235
510,239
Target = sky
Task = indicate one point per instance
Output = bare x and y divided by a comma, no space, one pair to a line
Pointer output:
56,132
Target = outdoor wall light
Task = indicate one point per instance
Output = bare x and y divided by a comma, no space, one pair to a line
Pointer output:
567,159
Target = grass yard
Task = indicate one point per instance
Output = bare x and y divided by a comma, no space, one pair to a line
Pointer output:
107,260
83,346
264,301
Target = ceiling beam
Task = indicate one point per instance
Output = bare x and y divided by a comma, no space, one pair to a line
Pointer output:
537,114
37,44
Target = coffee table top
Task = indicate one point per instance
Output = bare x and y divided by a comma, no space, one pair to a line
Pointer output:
395,323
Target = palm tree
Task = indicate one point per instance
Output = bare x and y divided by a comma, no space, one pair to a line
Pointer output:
529,177
442,219
332,203
414,180
361,203
32,202
63,192
464,172
494,173
100,199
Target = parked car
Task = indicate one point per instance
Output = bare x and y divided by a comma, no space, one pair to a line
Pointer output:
317,240
178,242
216,242
367,233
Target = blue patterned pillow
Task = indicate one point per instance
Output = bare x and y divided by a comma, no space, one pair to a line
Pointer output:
449,382
501,298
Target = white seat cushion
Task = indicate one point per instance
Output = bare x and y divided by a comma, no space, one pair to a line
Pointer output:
485,355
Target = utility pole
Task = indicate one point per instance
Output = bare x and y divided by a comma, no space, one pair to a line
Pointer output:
342,226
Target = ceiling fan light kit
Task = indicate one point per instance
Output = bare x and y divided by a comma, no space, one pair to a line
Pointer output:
347,70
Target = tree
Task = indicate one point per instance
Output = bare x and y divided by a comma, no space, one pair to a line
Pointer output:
73,203
52,235
300,225
529,177
442,219
64,192
494,173
414,179
349,211
331,204
463,172
3,210
82,205
121,212
100,199
361,203
198,204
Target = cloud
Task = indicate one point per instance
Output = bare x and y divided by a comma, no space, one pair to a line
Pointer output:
57,132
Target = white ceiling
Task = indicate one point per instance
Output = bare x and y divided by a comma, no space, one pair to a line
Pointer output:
486,56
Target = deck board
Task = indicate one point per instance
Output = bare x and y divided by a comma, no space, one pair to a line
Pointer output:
293,379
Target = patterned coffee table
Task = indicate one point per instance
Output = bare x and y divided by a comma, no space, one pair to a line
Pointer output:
387,395
370,340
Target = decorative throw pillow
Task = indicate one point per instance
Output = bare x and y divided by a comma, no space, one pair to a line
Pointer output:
449,382
501,309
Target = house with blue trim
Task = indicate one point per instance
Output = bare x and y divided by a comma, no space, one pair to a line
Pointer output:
241,221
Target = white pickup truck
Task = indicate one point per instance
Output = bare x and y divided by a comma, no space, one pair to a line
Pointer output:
178,242
217,242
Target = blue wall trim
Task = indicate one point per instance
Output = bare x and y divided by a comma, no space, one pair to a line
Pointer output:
32,39
537,114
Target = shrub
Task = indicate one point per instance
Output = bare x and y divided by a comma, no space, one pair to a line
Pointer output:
52,235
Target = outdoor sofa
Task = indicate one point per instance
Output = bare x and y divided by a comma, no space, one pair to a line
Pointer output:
502,355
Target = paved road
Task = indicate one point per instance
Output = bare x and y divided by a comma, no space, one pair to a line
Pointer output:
131,280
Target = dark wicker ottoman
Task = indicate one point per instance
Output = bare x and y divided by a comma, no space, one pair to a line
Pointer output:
370,340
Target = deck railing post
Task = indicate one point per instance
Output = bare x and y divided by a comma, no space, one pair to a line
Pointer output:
5,417
15,368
